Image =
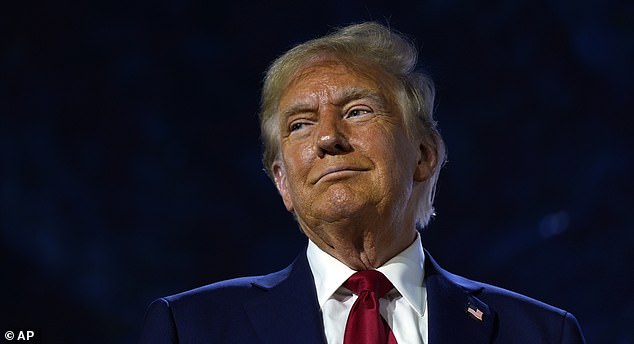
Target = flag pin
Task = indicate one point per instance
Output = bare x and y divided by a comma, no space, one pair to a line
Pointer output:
475,312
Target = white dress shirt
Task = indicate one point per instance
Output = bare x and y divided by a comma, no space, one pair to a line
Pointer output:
404,307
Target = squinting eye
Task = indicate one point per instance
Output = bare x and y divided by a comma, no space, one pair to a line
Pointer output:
296,126
357,112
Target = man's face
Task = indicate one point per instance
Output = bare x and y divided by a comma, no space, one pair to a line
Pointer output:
344,148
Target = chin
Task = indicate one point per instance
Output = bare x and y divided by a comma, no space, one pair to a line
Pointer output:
337,214
338,209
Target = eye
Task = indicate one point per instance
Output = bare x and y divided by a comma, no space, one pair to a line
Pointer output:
357,112
297,125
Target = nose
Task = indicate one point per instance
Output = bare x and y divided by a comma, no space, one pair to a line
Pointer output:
330,139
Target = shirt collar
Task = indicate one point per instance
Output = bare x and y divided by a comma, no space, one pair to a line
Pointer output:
329,273
405,271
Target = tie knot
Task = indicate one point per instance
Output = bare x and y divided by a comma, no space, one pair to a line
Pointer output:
369,281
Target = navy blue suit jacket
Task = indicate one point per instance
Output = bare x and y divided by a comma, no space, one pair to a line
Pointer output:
282,308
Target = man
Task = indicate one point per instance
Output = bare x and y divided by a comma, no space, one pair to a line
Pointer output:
353,149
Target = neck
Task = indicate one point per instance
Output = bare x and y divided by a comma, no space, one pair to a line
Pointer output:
361,247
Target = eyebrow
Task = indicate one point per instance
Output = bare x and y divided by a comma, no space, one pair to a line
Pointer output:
349,94
299,107
341,98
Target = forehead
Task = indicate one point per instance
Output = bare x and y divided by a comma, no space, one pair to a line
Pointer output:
326,80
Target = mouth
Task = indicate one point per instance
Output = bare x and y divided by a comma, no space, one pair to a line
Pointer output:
336,172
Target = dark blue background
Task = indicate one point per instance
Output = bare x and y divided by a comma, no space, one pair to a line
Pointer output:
130,155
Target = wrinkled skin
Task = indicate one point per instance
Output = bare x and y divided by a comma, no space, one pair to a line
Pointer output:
347,168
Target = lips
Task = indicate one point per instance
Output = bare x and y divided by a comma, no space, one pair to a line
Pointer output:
337,170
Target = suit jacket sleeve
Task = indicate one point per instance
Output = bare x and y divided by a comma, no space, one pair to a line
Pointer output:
159,325
571,331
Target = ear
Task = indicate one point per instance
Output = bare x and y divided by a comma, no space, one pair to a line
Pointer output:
281,182
427,161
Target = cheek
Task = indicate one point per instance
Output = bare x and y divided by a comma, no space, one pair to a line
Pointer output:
394,153
381,145
306,154
298,160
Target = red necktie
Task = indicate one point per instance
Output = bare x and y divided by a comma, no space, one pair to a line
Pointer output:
365,324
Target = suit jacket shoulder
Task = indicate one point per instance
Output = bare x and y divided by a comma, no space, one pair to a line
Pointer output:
489,314
257,309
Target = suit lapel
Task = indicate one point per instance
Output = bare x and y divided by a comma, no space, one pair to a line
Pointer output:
455,314
287,311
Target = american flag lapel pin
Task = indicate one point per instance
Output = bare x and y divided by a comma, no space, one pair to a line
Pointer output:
475,312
